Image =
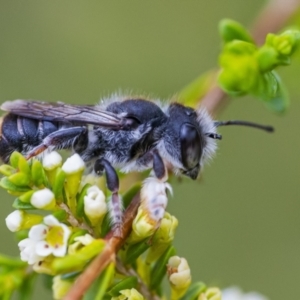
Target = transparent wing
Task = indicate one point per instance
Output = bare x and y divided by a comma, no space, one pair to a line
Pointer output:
62,112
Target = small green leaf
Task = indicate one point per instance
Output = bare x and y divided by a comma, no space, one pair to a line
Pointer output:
159,270
23,165
194,291
128,196
11,262
70,276
18,204
38,174
61,215
134,251
14,159
127,283
280,102
99,287
26,196
231,30
20,179
80,201
8,185
58,184
7,170
106,225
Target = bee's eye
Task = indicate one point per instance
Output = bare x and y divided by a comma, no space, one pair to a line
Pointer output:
190,143
131,123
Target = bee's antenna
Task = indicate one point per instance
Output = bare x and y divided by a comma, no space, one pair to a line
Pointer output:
245,123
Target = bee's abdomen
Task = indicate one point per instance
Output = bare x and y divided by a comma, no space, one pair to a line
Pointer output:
22,134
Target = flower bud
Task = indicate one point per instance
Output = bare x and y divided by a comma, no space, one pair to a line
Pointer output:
43,199
163,237
211,294
19,220
80,241
131,294
60,287
51,162
179,276
73,167
95,206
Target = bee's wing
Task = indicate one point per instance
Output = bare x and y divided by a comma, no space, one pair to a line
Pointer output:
62,112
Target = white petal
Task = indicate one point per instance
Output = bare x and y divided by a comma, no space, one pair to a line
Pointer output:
24,243
43,249
60,251
38,232
14,220
50,220
42,198
84,239
73,164
52,160
67,232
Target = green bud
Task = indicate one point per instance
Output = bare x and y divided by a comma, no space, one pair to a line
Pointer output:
267,58
211,294
231,30
26,196
131,294
77,261
60,287
163,237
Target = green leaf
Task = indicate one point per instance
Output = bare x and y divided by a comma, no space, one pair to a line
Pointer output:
7,185
106,225
159,270
231,30
20,179
127,283
11,262
14,159
99,287
38,174
27,287
61,215
70,276
134,251
18,204
280,102
7,170
194,291
58,184
80,201
191,94
128,196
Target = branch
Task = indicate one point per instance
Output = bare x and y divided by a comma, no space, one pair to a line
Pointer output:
107,256
272,18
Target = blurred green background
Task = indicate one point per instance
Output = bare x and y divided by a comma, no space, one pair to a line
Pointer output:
240,225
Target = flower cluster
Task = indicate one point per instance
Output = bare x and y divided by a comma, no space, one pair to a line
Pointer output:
62,221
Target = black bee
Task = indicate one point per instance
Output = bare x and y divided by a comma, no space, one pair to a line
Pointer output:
128,134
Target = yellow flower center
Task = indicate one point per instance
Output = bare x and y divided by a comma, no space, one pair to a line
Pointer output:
55,236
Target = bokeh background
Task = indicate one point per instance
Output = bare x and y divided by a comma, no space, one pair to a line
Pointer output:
240,225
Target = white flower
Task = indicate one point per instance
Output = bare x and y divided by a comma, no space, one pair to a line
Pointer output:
45,239
14,220
235,293
28,253
43,199
73,164
179,272
95,206
52,160
211,294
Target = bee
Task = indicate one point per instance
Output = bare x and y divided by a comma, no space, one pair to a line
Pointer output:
130,134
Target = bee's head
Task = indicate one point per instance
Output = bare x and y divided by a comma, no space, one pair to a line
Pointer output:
186,139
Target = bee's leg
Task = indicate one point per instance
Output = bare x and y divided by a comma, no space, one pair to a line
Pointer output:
112,181
159,167
62,138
